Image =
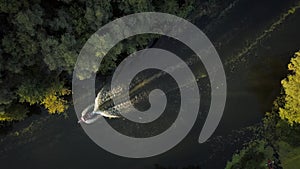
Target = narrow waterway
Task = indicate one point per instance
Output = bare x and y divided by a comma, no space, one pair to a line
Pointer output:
253,79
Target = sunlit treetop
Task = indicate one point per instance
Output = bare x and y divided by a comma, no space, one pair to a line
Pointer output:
291,86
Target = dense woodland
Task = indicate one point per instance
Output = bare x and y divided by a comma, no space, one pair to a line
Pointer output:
40,41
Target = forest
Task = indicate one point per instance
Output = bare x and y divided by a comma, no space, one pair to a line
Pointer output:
40,41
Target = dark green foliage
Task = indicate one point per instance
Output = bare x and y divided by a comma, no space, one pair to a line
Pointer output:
40,41
251,157
31,92
58,53
13,112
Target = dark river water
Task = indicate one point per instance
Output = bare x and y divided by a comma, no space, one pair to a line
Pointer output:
255,58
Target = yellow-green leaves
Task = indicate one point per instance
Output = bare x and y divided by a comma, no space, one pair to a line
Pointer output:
51,97
291,86
53,100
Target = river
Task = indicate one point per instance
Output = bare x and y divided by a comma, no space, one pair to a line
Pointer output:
255,58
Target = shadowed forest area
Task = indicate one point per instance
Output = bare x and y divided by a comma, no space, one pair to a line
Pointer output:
40,41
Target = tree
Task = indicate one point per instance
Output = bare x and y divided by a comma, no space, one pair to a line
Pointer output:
58,53
291,85
53,100
13,112
251,157
31,91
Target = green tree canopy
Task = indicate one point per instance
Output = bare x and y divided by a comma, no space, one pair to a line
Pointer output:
40,42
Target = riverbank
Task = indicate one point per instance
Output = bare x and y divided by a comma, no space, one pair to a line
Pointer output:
283,150
277,144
